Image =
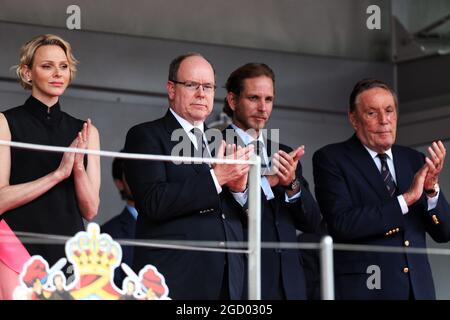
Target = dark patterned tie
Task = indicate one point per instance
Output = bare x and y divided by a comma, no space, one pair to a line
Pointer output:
386,175
202,150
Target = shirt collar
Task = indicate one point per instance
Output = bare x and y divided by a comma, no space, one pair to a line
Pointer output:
245,137
132,210
42,111
374,154
187,126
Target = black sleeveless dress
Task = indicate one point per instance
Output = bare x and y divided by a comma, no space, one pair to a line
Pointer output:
56,211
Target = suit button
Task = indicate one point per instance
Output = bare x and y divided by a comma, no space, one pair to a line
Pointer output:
435,219
405,270
223,216
221,244
406,243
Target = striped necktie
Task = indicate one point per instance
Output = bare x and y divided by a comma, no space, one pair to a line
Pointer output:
202,150
386,175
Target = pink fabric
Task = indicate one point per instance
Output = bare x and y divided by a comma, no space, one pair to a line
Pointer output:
12,252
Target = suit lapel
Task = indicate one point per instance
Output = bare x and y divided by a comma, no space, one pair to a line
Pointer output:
126,221
172,124
231,137
362,160
403,173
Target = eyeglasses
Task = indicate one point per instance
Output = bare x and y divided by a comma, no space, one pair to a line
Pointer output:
194,86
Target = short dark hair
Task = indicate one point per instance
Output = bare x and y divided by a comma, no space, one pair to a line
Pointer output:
118,173
367,84
175,64
118,166
235,82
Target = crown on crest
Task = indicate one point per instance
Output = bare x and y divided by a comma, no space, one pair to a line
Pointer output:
94,253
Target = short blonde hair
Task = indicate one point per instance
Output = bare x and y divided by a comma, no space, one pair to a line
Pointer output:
28,51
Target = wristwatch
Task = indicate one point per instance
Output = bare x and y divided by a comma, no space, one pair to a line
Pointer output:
293,185
432,192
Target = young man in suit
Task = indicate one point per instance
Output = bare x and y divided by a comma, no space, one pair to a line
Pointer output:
287,203
185,201
374,192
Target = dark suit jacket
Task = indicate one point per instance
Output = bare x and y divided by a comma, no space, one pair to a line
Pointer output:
282,269
180,202
357,208
310,260
121,226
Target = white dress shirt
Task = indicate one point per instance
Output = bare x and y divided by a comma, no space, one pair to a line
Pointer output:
432,202
187,127
242,197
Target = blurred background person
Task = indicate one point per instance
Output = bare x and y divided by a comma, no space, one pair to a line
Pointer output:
123,225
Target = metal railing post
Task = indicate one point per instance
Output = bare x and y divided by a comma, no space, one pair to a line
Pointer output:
254,230
326,268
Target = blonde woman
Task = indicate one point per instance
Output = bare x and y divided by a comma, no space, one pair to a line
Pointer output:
42,192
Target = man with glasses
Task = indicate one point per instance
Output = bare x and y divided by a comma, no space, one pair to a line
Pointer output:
286,204
184,201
